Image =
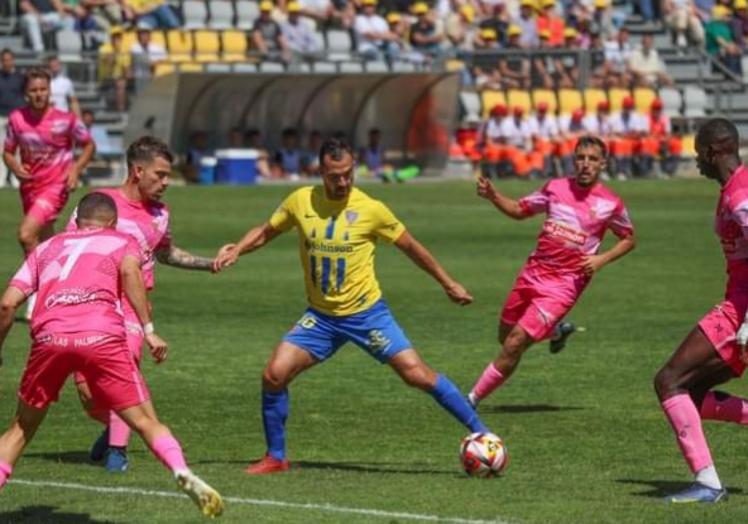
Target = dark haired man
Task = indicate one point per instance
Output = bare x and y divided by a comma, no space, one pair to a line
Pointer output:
579,210
715,350
143,216
338,226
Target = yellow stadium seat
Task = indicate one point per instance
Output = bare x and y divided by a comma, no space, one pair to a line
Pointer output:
207,45
689,147
190,67
545,95
164,68
491,98
157,37
234,46
569,100
616,96
643,98
592,97
519,98
180,45
454,65
128,39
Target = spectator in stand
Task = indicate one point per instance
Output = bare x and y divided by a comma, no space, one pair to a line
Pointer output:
543,65
602,20
253,139
374,36
566,65
577,11
529,38
617,54
41,16
196,151
310,158
598,123
329,12
61,89
645,65
236,138
570,128
739,25
153,14
485,75
99,134
496,153
106,13
498,20
145,55
398,27
372,156
719,40
114,70
267,36
659,140
460,28
682,19
545,139
298,35
548,19
515,67
584,34
287,159
425,40
516,130
11,97
628,127
80,14
598,64
648,10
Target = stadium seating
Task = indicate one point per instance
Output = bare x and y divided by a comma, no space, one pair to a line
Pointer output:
351,67
234,45
490,99
545,95
180,45
376,66
643,98
615,98
164,69
207,46
246,14
324,67
339,44
400,66
569,100
271,67
69,44
470,104
519,98
221,14
592,97
195,14
190,67
672,101
245,67
696,102
157,38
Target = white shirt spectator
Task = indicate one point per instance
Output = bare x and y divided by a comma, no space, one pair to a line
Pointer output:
566,125
300,37
143,59
369,24
547,128
632,122
61,90
596,125
493,129
648,65
516,133
617,55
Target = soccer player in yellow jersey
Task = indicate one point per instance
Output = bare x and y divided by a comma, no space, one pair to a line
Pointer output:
338,227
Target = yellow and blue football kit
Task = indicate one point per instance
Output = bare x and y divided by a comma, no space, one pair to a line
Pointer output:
337,239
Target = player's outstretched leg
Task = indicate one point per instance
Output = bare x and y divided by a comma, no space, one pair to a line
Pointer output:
287,361
723,407
561,332
514,342
693,364
142,418
14,441
414,372
118,435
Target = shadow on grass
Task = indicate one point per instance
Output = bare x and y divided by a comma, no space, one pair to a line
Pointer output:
47,515
70,457
527,408
662,488
377,467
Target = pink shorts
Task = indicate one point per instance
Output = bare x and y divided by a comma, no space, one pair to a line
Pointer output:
44,203
720,326
134,334
537,305
104,361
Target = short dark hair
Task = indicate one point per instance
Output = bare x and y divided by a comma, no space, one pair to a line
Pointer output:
96,206
718,130
335,148
146,149
52,57
7,51
589,140
35,73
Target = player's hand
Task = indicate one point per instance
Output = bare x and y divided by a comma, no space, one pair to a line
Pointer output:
458,294
22,172
485,188
227,256
71,179
159,347
592,264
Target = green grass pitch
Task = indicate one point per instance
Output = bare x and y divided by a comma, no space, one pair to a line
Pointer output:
587,439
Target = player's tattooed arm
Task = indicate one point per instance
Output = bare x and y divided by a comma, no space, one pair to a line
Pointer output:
176,257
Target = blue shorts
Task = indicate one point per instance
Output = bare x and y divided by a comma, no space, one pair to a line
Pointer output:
374,330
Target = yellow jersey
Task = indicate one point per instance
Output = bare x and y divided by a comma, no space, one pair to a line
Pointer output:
336,245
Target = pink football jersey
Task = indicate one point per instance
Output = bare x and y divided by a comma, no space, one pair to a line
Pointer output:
76,276
731,225
46,144
147,223
577,219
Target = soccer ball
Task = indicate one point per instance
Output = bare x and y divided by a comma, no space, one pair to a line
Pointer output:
483,455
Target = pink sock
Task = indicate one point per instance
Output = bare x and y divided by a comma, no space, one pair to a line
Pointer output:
681,412
5,471
169,452
488,381
724,407
119,432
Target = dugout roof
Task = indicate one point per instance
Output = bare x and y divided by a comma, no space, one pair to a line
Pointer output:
416,112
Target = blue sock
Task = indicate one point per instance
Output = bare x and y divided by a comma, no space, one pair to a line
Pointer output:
274,415
450,398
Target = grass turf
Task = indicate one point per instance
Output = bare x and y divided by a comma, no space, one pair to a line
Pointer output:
587,439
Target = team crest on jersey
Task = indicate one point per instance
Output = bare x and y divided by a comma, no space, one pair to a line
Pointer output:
307,322
351,217
377,341
58,127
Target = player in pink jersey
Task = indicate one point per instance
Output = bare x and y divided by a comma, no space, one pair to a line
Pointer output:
142,215
579,210
715,350
46,138
78,326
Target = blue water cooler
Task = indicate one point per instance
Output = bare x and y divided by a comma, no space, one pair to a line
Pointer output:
236,166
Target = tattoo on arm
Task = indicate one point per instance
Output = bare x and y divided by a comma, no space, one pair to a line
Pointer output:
177,257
